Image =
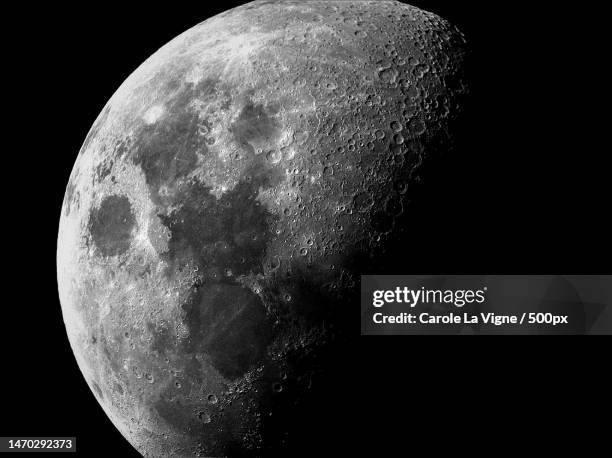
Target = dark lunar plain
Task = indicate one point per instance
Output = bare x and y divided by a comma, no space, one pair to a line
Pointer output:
526,191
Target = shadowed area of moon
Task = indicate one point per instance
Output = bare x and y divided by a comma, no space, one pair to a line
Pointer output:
225,203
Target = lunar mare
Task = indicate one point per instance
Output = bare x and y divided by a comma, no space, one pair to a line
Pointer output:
225,202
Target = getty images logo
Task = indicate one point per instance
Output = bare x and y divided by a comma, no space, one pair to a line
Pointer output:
413,297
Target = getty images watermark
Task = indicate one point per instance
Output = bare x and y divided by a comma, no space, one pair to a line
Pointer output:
485,304
413,297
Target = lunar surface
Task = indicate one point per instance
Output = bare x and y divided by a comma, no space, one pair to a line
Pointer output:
227,199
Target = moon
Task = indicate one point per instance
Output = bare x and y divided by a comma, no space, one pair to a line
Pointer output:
225,202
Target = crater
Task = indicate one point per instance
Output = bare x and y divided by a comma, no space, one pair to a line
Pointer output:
111,225
97,389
